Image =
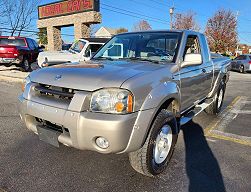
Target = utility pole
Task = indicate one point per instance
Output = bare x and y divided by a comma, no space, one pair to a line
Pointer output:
171,12
236,52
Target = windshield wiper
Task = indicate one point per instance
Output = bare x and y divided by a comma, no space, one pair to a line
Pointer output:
141,59
103,58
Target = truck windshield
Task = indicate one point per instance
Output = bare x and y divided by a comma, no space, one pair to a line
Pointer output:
13,41
78,46
151,46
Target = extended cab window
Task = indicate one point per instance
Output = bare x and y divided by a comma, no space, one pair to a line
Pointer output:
205,48
192,45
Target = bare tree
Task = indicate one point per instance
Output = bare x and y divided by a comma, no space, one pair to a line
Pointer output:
2,13
19,14
142,26
221,31
121,30
186,21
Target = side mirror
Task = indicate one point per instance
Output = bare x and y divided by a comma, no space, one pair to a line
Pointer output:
192,59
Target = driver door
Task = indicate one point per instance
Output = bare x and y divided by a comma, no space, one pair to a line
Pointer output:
191,77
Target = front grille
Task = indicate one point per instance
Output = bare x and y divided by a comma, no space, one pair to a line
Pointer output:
57,92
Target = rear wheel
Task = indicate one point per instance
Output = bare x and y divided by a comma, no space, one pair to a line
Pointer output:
25,65
216,106
153,158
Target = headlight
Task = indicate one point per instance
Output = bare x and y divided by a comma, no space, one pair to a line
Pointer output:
117,101
25,82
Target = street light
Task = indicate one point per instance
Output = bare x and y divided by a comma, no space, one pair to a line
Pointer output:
171,12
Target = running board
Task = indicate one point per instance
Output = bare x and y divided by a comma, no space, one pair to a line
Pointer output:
195,111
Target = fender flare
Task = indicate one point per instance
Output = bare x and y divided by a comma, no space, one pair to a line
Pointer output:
160,94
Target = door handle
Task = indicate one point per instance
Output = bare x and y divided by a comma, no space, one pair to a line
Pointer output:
204,70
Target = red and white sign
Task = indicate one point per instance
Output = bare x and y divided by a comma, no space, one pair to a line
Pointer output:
67,7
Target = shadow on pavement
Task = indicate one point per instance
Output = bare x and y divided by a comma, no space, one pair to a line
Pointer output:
202,167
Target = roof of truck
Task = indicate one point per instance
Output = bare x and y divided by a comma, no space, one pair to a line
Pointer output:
96,40
161,31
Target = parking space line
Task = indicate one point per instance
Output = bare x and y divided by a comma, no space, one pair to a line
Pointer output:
221,116
226,137
242,111
224,119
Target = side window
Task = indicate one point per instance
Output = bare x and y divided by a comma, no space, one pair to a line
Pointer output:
35,43
30,43
192,45
115,51
95,47
238,58
241,57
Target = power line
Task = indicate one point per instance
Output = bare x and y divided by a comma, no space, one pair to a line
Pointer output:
29,31
135,16
149,6
134,13
244,39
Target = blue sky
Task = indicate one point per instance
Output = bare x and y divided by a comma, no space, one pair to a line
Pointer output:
159,9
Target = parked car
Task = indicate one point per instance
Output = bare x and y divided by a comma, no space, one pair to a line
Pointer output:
81,50
20,51
131,97
242,63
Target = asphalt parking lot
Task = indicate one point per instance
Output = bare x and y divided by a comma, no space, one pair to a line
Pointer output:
212,153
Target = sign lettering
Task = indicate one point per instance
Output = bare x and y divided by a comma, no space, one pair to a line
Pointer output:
67,7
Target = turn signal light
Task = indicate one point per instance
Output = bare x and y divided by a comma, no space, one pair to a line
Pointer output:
129,104
23,86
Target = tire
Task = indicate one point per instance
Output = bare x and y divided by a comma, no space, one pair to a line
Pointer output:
242,69
144,160
216,106
25,66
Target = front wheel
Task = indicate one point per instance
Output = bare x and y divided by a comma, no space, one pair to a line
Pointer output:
153,158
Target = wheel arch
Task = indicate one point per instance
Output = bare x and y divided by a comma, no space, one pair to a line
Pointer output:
172,104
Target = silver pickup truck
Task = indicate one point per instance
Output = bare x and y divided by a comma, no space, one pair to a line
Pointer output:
131,97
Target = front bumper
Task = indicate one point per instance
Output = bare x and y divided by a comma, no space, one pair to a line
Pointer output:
83,127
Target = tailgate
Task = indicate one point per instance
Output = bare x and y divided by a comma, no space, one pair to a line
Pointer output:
8,51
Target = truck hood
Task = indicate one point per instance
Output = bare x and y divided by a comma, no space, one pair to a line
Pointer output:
91,76
55,53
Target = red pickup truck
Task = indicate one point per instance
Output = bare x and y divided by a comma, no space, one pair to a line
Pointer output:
20,51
